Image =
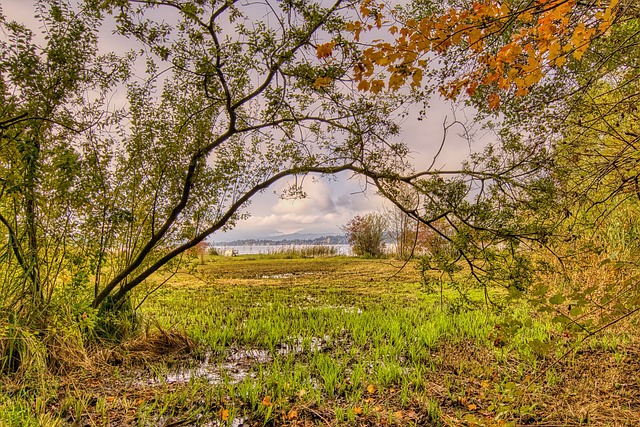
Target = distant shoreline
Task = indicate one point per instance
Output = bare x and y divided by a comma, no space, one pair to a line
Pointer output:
322,240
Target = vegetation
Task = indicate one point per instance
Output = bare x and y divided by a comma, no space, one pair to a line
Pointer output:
115,167
366,234
98,196
338,341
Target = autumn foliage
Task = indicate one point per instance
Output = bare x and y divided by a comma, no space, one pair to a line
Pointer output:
505,46
366,234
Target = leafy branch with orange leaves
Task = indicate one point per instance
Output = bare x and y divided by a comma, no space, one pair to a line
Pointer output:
503,48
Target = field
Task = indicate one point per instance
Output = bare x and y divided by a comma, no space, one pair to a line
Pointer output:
268,340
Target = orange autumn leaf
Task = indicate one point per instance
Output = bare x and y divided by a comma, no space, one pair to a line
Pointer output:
364,85
357,410
377,86
224,414
267,401
292,414
494,101
416,80
371,389
325,50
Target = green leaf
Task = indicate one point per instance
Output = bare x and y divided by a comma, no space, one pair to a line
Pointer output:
563,320
557,299
540,290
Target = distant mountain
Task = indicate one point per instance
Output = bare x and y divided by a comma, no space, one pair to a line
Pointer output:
289,239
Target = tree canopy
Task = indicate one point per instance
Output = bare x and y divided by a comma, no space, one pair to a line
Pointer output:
557,81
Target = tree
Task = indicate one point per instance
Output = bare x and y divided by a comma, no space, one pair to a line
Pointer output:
366,234
558,81
96,197
402,231
44,93
553,69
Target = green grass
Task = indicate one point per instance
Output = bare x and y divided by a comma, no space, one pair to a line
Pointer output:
337,341
332,327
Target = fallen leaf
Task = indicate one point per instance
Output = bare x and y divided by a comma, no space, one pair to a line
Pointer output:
472,407
357,410
371,388
267,401
292,414
224,414
398,415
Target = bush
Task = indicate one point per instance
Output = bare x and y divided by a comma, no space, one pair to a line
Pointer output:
365,234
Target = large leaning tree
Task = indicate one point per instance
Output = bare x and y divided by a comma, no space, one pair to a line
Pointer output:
115,163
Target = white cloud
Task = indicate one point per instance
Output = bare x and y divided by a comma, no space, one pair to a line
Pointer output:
318,199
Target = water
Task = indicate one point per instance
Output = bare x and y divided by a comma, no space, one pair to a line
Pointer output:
274,249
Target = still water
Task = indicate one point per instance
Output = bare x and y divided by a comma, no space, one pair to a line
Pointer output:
275,249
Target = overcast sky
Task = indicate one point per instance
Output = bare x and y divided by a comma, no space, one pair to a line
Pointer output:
330,203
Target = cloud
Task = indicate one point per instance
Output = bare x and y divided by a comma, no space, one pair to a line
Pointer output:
317,200
329,205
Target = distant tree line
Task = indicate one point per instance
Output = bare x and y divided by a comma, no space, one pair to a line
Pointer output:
322,240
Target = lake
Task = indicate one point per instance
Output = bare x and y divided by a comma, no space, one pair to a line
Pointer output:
274,249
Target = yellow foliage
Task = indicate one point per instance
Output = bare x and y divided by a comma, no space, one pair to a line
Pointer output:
548,34
322,82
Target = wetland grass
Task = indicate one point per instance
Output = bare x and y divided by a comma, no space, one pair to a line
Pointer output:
335,342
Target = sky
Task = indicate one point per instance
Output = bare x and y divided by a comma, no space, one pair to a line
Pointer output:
330,202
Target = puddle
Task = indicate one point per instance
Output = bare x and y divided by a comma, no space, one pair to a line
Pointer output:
235,368
236,422
300,345
286,275
238,364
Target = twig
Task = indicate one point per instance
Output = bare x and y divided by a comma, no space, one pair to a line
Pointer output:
317,415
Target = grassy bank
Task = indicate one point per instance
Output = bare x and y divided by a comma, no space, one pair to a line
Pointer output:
254,340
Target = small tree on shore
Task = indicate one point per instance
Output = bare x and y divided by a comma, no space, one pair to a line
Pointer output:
366,234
